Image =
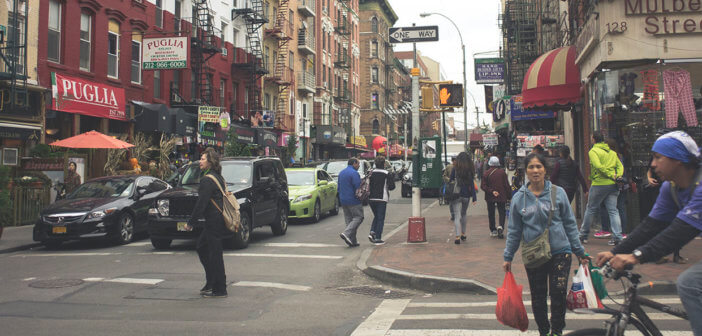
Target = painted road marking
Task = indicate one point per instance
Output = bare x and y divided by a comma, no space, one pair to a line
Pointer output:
569,316
301,245
93,279
381,320
77,254
138,244
135,281
272,285
29,279
271,255
464,332
161,253
527,302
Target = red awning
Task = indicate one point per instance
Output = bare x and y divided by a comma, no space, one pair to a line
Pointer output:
553,79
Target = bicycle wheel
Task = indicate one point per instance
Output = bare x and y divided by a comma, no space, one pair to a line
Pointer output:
588,332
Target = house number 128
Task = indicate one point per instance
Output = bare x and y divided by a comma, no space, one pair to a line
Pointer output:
616,27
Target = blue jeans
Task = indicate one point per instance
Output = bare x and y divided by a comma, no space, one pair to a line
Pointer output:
378,209
600,194
621,206
460,207
690,291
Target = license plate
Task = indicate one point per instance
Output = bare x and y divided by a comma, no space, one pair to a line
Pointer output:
58,229
181,226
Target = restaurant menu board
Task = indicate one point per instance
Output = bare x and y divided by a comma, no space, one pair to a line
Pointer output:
529,141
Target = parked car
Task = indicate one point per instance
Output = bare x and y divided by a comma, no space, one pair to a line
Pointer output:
259,184
333,168
312,193
113,208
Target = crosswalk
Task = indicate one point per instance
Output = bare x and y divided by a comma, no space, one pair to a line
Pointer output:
406,317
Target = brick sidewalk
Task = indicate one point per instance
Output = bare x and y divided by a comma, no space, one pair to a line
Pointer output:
480,259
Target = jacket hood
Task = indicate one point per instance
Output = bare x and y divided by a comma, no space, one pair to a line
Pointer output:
602,146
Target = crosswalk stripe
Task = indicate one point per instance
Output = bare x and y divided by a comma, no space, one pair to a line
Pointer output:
136,281
93,279
161,253
134,244
77,254
272,285
272,255
301,245
527,302
382,318
569,316
464,332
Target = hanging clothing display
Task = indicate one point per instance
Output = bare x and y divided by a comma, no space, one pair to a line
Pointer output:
678,97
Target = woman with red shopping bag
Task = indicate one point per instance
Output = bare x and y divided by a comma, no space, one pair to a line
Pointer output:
542,222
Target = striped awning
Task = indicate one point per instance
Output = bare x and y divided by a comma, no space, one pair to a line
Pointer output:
552,80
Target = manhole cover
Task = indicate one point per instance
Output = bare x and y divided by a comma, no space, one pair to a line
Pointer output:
56,283
376,292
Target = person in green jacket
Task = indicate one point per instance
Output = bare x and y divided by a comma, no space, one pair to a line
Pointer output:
605,167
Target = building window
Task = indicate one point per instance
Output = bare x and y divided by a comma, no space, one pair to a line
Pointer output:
15,37
376,126
86,33
374,25
175,86
266,101
374,49
374,75
235,36
157,84
177,15
222,90
113,50
222,36
136,59
54,36
266,58
159,14
374,100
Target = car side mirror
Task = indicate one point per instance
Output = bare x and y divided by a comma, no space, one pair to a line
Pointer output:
323,182
141,191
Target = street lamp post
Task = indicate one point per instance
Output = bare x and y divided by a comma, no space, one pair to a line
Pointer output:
465,88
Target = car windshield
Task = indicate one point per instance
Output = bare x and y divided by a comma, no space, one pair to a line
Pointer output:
300,178
235,173
103,189
335,167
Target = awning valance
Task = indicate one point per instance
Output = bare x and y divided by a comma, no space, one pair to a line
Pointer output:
553,79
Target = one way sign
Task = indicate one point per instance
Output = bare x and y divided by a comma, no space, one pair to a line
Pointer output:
414,34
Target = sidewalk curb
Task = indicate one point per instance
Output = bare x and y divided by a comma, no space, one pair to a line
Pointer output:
655,287
19,248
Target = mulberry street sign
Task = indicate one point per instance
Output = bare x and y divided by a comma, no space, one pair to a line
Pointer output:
414,34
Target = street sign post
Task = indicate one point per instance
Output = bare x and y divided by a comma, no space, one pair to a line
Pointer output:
414,34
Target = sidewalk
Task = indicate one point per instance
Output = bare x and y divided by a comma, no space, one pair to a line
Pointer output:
17,238
475,266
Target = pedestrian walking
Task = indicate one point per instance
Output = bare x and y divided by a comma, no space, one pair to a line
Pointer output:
209,244
566,174
605,168
463,175
497,193
447,177
349,181
381,182
531,213
72,179
606,229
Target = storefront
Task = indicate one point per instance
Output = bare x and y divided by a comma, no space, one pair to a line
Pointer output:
329,140
357,146
267,141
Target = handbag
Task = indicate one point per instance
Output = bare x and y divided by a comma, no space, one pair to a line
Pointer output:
582,294
538,251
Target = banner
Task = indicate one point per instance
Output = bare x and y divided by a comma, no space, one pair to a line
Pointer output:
489,70
208,114
76,95
518,113
165,53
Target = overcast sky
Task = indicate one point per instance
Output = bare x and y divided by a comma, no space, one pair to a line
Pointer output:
477,21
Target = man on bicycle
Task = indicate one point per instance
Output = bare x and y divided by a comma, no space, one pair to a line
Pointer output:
674,221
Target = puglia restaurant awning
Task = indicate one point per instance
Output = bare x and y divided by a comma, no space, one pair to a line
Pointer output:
553,79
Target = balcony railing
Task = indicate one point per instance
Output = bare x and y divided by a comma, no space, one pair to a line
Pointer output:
306,82
342,61
305,41
306,7
282,29
342,27
285,121
282,76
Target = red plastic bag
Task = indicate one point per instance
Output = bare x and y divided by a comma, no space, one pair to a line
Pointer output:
510,309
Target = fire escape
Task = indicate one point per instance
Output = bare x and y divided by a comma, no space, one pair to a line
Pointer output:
14,98
344,62
282,31
519,29
203,48
254,18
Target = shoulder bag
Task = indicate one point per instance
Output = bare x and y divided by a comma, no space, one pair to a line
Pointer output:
538,251
230,208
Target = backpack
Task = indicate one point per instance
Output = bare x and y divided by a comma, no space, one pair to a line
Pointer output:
363,191
230,208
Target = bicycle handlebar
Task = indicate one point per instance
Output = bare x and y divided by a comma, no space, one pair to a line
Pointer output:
609,272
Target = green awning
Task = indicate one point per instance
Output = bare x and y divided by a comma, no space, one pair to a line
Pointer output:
505,125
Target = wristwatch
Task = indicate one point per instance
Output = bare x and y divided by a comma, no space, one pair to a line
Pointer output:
637,254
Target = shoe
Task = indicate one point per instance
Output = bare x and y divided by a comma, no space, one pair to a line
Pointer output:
613,242
463,237
662,260
206,289
371,237
378,242
215,295
457,241
680,260
493,233
346,239
623,236
602,234
583,240
500,231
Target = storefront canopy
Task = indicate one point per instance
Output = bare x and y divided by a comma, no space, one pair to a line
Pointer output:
553,79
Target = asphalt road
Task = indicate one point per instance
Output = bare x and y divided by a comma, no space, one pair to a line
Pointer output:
303,283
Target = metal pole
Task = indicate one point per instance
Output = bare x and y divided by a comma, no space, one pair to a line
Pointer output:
406,116
465,90
416,191
443,130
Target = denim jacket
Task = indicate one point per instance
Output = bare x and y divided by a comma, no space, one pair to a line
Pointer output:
529,216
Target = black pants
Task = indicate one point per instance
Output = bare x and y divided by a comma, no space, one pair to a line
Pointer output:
551,279
491,214
209,249
570,194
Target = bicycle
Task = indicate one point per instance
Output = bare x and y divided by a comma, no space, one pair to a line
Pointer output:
630,312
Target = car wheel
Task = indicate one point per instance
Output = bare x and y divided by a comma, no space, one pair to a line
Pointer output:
161,244
317,214
280,226
335,210
241,239
52,244
126,229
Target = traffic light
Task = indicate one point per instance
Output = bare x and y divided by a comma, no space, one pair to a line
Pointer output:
427,97
450,95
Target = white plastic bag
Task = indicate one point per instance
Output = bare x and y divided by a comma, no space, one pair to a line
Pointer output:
582,294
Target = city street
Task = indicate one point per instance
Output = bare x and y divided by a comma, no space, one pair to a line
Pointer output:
303,283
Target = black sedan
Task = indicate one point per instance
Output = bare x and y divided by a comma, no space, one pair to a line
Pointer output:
113,208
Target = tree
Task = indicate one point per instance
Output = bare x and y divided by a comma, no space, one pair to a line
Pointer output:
289,151
234,147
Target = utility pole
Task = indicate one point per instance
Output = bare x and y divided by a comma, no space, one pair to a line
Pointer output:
416,191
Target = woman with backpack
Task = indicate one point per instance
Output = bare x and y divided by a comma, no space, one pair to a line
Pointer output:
380,183
497,193
462,175
209,244
566,174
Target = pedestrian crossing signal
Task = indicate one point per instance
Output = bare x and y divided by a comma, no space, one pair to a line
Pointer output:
450,95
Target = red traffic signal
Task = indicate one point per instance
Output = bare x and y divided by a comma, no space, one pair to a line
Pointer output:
450,95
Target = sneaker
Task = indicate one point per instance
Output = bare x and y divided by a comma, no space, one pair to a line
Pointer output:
378,242
613,242
371,237
205,290
623,236
463,237
493,233
457,241
215,295
346,239
602,234
500,230
583,240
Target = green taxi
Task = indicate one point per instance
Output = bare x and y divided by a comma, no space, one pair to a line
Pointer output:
312,192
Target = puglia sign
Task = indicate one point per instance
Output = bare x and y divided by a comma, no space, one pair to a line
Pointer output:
667,17
165,53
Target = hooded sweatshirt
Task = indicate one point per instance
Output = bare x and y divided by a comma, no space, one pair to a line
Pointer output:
529,217
604,165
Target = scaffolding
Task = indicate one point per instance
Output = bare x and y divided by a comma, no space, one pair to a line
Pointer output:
254,19
14,97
